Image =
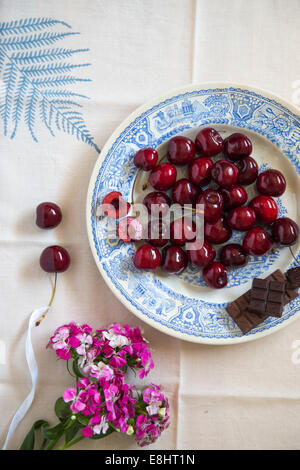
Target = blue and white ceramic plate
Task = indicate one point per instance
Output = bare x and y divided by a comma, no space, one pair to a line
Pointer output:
182,305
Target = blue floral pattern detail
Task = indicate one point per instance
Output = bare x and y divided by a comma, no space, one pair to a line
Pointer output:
35,79
192,313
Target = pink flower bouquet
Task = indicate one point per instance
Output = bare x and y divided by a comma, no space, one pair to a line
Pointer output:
101,402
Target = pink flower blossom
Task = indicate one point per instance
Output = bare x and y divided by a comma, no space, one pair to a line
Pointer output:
99,371
71,336
69,394
149,426
99,424
87,431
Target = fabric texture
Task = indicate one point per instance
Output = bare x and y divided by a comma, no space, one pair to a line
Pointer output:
235,397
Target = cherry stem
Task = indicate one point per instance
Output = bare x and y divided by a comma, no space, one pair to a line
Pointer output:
145,185
192,212
133,186
293,255
50,303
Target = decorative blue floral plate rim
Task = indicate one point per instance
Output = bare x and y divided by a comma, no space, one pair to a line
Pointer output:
182,306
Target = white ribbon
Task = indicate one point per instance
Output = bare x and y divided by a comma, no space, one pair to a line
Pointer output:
33,369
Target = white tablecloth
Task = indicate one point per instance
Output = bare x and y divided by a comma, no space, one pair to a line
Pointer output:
243,396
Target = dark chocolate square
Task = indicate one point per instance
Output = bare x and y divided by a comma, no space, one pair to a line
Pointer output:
260,283
277,286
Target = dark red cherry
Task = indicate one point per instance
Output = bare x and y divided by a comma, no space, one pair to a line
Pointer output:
203,256
146,159
174,259
234,196
224,173
237,146
241,218
233,255
271,183
285,231
147,257
257,241
200,171
54,259
158,232
265,208
157,203
183,230
213,203
217,232
248,170
215,275
48,215
180,150
209,142
114,206
163,176
129,229
185,192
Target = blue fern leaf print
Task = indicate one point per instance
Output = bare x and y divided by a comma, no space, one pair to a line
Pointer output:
36,79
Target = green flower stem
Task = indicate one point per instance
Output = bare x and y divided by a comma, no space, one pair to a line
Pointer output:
52,443
70,444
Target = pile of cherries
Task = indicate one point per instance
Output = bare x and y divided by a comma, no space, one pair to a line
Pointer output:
224,204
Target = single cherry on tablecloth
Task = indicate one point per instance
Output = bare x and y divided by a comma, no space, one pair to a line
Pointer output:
48,215
54,259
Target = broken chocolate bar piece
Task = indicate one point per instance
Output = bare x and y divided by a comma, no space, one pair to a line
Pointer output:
293,278
244,319
238,309
267,297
